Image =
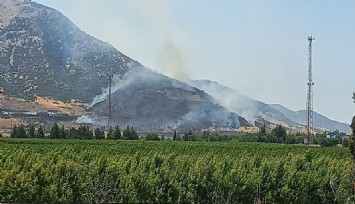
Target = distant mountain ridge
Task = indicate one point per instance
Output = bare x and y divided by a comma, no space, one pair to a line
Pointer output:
320,121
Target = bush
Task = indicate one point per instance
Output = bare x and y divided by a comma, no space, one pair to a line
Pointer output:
345,142
152,137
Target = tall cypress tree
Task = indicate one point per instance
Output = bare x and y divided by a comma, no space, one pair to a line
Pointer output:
352,140
54,133
110,134
31,132
14,132
174,136
21,132
73,133
117,132
40,133
63,133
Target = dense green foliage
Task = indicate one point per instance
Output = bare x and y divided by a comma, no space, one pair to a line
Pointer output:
83,132
280,133
152,137
168,172
130,134
352,141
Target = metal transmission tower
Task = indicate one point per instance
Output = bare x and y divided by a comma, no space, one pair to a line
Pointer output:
310,85
109,102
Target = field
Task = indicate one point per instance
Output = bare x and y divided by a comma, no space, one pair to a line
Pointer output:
171,172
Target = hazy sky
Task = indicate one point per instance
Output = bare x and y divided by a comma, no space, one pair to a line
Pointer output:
258,48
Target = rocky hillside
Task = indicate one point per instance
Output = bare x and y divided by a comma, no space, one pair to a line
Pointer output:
43,53
149,100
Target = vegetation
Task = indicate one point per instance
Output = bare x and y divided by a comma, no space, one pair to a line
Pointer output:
352,141
152,137
277,135
62,171
99,134
83,132
130,134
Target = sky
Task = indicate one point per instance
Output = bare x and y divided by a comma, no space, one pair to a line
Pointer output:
257,47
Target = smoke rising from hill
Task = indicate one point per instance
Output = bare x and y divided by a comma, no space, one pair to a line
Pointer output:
230,99
144,98
172,57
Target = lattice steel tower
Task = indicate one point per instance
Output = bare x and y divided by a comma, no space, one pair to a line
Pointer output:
310,85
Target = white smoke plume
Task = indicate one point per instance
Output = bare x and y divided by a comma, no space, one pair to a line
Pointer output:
173,50
136,74
230,99
117,83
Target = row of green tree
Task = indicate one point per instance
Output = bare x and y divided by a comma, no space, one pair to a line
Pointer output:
82,132
277,135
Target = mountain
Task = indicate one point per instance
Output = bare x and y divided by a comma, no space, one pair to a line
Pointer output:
254,110
242,105
150,100
320,121
42,53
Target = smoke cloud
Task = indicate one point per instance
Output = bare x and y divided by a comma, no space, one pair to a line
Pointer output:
182,106
172,57
230,99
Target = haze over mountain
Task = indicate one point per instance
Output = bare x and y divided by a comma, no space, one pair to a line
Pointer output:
320,121
253,110
42,53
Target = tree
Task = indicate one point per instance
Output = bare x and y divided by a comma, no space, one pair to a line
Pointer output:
110,134
14,132
40,133
174,136
21,131
126,133
73,133
262,130
31,132
98,134
130,134
89,134
152,137
185,137
133,134
63,133
117,133
54,132
84,132
206,135
352,139
280,133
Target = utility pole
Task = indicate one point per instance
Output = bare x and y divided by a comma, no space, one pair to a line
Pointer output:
109,102
310,85
11,131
